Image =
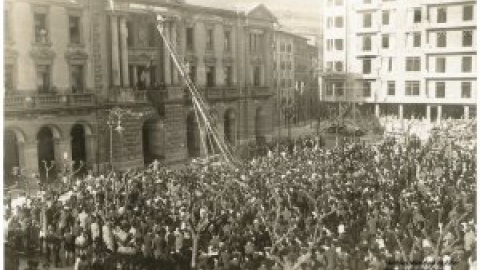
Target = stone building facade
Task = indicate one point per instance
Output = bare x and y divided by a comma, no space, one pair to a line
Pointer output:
295,76
68,64
409,59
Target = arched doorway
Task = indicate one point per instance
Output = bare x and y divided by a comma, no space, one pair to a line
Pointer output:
193,136
229,126
79,152
153,134
11,155
46,154
260,125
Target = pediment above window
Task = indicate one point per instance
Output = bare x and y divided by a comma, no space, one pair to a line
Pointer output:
228,60
42,54
210,59
141,58
76,56
190,58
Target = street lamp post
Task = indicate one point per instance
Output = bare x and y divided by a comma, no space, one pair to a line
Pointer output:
115,116
48,168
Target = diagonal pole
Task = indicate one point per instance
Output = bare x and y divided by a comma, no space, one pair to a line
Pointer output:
199,103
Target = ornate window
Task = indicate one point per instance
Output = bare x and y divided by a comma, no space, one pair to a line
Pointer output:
41,27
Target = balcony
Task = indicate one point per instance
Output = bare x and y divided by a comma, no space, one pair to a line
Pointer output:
231,92
450,25
444,2
368,30
451,75
367,7
431,49
126,95
48,101
214,93
259,91
368,53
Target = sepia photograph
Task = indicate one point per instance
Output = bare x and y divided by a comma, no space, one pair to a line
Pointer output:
239,134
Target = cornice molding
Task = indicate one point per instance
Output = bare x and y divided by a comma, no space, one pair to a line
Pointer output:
42,54
76,55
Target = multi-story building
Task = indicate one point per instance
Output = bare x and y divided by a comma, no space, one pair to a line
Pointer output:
284,65
294,76
414,59
306,79
68,64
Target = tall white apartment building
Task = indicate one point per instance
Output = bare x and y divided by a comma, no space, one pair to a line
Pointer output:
414,58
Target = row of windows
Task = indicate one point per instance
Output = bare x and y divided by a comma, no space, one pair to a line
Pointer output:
285,47
441,64
210,75
442,16
42,34
336,44
140,77
41,29
413,64
336,66
341,2
44,82
441,40
467,14
336,22
210,39
412,88
283,65
335,2
283,83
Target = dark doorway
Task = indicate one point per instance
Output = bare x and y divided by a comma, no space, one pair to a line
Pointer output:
46,154
193,136
153,135
260,125
11,156
229,127
79,153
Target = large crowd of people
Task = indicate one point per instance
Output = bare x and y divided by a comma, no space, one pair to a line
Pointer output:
296,205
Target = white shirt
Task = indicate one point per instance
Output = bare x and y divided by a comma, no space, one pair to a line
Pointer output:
83,219
95,229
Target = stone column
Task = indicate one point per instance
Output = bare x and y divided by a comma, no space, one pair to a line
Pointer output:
466,112
90,155
173,34
429,113
400,111
124,51
30,157
115,51
148,81
439,114
134,76
166,56
377,110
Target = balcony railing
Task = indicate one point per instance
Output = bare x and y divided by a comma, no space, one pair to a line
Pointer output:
259,90
42,101
214,93
231,92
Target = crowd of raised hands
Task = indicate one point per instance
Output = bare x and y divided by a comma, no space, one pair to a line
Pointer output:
295,205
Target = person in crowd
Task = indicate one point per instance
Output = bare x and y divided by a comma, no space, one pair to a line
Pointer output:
356,206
